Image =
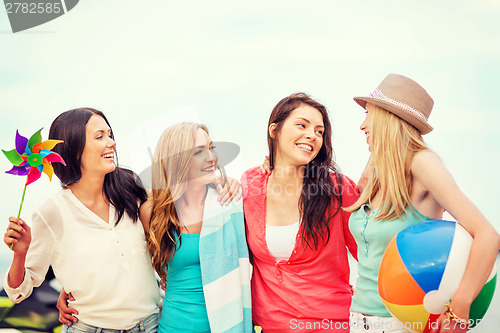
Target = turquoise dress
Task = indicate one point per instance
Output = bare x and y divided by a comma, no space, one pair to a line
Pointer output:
184,308
372,238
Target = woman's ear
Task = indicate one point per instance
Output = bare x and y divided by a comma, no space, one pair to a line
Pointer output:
272,130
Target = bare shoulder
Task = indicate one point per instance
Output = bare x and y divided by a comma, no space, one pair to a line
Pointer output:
145,213
430,174
425,162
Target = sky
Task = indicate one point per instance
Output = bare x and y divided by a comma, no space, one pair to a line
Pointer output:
150,64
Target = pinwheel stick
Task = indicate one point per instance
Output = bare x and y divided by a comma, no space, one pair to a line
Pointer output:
22,201
20,207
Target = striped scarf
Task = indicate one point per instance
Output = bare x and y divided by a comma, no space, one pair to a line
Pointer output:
225,266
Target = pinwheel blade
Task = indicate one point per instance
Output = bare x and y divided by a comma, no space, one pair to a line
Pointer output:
48,169
45,145
13,157
21,143
55,157
33,175
35,138
19,171
45,152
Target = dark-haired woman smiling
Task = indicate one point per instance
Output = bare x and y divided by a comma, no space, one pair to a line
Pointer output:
296,229
90,234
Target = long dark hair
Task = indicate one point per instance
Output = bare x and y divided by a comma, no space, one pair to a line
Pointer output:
122,187
319,200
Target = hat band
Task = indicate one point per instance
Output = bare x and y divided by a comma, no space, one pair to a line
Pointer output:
380,95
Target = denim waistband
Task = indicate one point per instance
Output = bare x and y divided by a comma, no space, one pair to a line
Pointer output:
148,324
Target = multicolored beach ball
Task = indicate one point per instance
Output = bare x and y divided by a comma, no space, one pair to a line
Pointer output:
421,270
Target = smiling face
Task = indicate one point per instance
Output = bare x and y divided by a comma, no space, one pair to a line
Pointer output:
367,125
300,138
98,154
203,164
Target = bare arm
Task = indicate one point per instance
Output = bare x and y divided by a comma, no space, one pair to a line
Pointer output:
428,169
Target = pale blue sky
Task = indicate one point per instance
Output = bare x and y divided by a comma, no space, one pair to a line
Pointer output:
227,63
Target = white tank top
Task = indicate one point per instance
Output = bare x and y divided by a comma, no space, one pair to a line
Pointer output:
281,240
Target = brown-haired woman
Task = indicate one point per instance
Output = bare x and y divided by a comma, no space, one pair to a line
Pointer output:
296,228
90,234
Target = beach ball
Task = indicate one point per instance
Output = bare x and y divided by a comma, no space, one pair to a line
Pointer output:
421,270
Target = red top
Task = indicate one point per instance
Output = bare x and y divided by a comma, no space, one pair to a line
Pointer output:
311,289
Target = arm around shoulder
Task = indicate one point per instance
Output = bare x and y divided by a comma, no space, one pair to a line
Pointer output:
363,180
350,195
350,191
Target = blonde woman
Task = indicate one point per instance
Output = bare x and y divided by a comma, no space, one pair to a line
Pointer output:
70,310
406,183
196,245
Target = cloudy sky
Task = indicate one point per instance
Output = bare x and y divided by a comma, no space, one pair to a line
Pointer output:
151,63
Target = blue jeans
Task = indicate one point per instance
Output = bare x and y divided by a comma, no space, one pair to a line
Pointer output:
146,325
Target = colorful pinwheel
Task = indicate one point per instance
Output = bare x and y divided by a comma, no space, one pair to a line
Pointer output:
31,158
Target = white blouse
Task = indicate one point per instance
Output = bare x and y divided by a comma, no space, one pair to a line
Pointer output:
105,267
281,240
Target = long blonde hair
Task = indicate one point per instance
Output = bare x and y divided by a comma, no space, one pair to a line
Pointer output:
172,157
394,143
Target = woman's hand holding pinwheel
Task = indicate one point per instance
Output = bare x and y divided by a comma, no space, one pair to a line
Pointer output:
19,235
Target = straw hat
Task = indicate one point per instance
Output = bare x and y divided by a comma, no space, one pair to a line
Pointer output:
403,97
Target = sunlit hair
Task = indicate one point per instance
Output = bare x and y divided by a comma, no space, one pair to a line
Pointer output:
319,201
394,143
172,158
